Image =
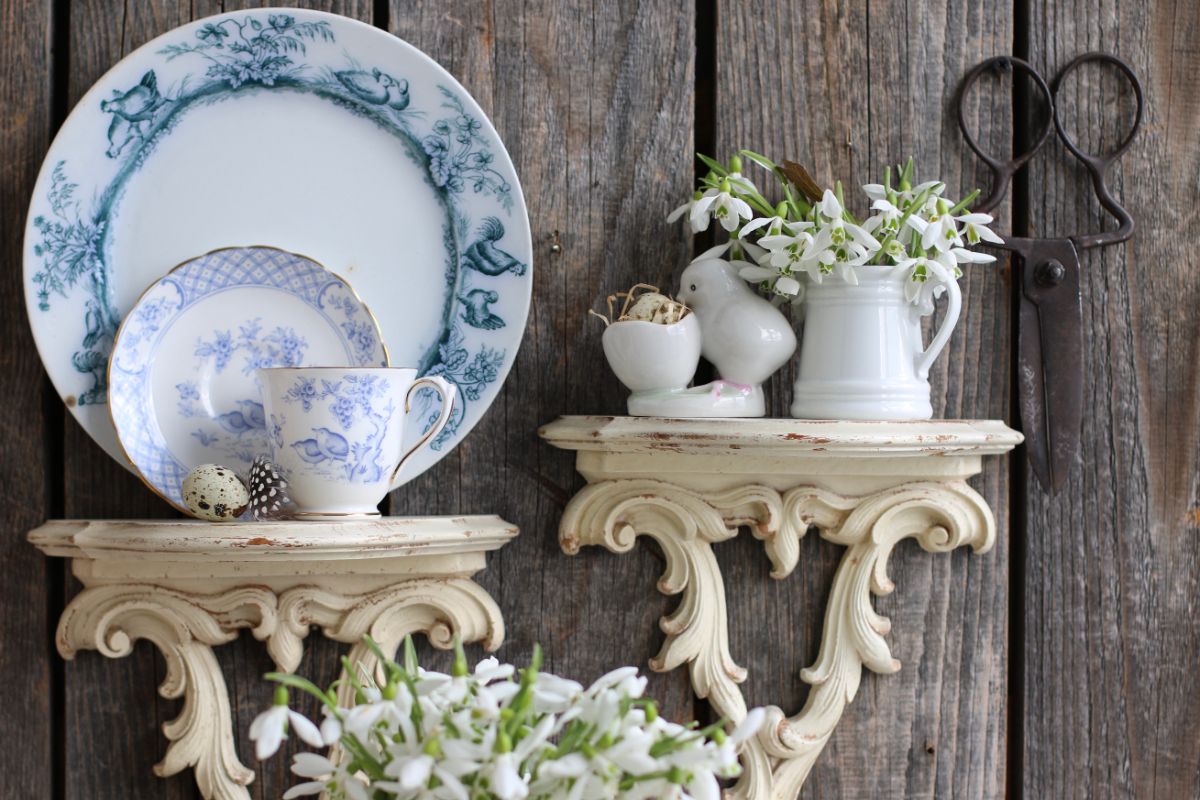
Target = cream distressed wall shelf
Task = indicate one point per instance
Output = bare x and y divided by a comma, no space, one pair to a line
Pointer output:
691,483
188,586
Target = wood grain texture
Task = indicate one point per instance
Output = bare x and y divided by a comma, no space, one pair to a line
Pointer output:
846,89
600,151
26,665
1113,566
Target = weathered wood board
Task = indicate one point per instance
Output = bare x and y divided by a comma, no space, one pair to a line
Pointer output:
1112,571
31,720
1059,665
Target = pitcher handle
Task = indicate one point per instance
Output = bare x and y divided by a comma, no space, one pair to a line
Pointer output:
445,390
953,307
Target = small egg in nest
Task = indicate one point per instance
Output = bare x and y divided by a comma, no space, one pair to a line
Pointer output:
215,493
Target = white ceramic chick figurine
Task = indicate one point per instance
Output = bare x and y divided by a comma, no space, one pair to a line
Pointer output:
745,337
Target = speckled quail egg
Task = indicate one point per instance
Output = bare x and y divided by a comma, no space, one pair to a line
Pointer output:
655,307
215,493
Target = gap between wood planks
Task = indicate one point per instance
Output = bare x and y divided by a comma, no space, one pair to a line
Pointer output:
704,133
1018,470
55,459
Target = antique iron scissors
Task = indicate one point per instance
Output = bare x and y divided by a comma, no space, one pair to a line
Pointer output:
1050,319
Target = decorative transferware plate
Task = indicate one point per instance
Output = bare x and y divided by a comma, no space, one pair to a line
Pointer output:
182,386
307,131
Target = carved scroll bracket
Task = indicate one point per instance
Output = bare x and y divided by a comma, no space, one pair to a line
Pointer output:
278,592
686,523
692,483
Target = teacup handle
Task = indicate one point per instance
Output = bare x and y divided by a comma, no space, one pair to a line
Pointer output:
445,390
953,307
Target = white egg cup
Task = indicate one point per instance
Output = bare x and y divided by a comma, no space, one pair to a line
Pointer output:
657,362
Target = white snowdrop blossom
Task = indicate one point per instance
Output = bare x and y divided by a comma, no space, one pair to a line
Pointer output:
498,732
719,204
975,229
940,269
269,729
782,246
685,211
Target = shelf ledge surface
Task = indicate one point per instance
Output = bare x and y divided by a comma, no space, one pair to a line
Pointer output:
182,540
782,436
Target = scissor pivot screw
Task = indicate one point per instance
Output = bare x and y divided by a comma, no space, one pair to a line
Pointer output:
1049,273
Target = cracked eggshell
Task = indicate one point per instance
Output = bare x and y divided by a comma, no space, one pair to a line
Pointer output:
215,493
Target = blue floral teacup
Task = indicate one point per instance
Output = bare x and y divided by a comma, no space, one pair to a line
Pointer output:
338,432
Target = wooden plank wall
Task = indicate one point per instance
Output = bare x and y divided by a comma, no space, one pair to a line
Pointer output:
1060,665
1112,572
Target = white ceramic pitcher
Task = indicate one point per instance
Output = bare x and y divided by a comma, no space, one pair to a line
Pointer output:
862,356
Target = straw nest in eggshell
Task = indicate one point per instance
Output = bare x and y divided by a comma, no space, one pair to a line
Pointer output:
647,306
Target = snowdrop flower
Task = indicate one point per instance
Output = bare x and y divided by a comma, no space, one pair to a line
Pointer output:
740,182
887,220
789,253
269,729
748,727
938,231
774,226
310,765
506,782
685,211
852,242
719,204
875,191
921,269
331,728
963,256
553,694
935,189
976,230
410,771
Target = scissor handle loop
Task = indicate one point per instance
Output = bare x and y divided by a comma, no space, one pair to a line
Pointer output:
1097,164
1002,171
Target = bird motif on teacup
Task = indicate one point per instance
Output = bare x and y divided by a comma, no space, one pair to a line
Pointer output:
130,109
326,445
477,309
250,417
745,337
375,87
484,256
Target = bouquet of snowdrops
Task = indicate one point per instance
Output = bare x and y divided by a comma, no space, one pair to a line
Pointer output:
497,732
810,233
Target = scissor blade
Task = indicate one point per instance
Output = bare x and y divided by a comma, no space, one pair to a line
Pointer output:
1050,361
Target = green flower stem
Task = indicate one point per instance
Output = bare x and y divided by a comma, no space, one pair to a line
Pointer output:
362,758
410,656
390,667
917,202
304,685
713,164
760,159
459,668
965,203
757,202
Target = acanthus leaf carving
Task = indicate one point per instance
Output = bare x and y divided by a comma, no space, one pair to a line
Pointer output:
941,516
183,627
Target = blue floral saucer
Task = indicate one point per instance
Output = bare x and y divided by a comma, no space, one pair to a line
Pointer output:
182,386
308,131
